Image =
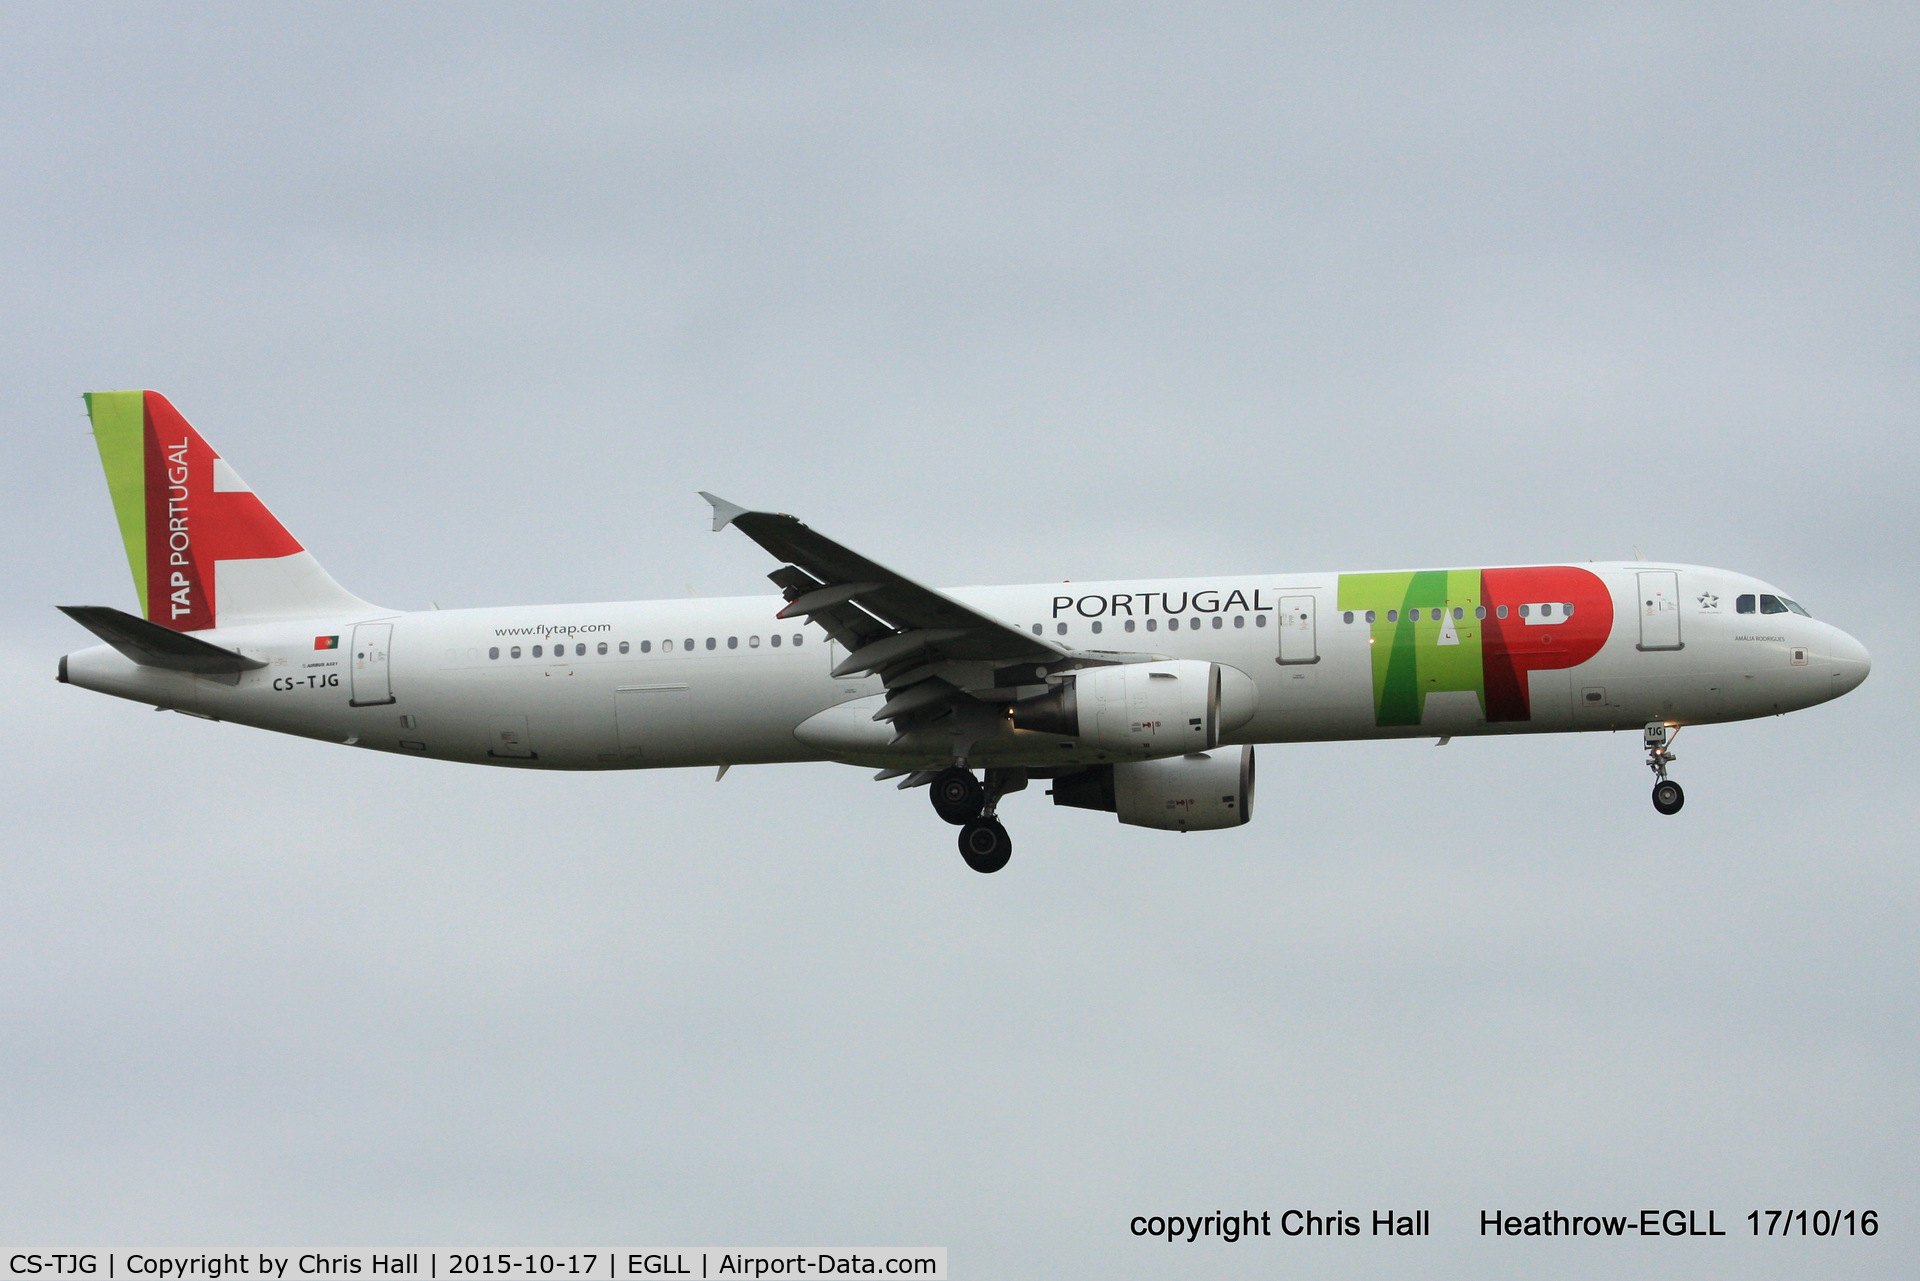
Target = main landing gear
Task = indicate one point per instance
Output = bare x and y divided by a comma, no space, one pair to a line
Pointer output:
1667,795
961,799
985,845
957,796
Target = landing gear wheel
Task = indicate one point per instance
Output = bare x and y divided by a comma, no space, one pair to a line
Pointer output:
985,845
957,796
1667,796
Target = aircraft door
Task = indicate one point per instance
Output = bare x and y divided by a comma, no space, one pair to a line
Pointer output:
1660,609
1298,642
371,685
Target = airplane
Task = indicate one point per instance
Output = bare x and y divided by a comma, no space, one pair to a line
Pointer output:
1144,699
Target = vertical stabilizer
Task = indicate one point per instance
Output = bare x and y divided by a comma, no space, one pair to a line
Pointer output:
204,550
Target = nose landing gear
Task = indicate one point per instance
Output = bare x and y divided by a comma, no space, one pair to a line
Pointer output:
1667,794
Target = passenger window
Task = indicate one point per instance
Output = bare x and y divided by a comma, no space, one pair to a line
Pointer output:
798,637
514,652
1393,616
1096,629
1458,613
753,642
1259,620
1061,628
666,647
1546,611
494,652
1743,604
1771,605
603,647
1239,620
1479,611
1524,610
1218,622
1370,616
712,643
536,651
1566,610
1501,612
774,641
580,650
1129,624
1153,624
1037,629
1347,617
687,644
733,642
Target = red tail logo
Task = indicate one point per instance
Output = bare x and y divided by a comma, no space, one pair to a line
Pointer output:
199,512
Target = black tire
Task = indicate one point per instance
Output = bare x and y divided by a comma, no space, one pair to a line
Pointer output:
957,796
985,845
1667,796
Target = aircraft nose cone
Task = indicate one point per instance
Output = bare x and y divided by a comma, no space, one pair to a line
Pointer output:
1851,663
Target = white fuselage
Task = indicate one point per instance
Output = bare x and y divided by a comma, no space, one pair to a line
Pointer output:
690,682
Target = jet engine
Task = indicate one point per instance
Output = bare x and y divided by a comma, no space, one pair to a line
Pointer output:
1144,709
1195,793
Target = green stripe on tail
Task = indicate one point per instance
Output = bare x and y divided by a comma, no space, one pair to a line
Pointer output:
120,430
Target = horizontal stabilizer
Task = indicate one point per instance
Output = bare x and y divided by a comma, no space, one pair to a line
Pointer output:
152,645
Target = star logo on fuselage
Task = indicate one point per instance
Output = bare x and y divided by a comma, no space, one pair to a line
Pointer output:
1709,602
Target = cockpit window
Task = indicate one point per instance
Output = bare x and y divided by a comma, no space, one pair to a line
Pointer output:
1743,604
1771,605
1795,606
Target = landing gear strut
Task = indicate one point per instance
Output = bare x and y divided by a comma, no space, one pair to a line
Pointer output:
1667,795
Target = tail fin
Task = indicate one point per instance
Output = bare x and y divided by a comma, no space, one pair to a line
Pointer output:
205,552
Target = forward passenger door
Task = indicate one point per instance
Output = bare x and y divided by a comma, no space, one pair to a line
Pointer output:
1660,609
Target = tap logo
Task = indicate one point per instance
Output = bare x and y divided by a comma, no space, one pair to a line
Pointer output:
1478,631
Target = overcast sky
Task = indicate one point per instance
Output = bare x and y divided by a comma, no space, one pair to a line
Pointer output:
477,298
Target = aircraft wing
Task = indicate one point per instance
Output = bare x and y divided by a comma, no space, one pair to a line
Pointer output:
888,623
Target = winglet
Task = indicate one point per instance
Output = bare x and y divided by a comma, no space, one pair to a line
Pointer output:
724,512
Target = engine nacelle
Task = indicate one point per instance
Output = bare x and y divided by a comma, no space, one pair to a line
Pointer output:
1198,793
1145,709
